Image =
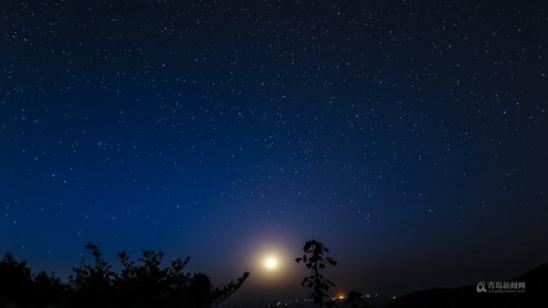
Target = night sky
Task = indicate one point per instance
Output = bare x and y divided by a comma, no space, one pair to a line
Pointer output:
408,136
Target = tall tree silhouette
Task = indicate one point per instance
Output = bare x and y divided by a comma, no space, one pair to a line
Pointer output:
315,261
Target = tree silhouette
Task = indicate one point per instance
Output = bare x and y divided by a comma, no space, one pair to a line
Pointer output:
313,259
218,295
46,289
15,279
18,284
145,283
92,285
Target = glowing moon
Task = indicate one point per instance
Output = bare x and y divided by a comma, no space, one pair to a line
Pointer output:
271,263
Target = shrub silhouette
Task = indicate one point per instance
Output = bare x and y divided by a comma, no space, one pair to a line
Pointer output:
46,289
313,259
18,284
15,278
145,283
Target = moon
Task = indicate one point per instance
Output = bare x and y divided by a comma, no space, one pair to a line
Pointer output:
271,263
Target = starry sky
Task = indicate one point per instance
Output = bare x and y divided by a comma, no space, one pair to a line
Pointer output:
408,136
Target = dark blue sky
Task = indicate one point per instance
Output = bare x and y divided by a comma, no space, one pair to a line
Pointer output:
409,136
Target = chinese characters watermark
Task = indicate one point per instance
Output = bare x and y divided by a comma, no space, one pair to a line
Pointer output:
500,287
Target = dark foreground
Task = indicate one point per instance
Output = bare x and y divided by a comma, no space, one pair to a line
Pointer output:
148,284
527,290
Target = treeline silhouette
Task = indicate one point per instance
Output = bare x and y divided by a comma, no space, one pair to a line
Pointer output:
145,283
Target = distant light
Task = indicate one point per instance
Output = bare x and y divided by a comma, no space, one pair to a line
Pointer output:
341,296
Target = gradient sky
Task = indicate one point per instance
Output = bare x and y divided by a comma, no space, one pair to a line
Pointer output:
408,136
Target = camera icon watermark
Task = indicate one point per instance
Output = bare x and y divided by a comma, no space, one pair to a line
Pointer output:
500,287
